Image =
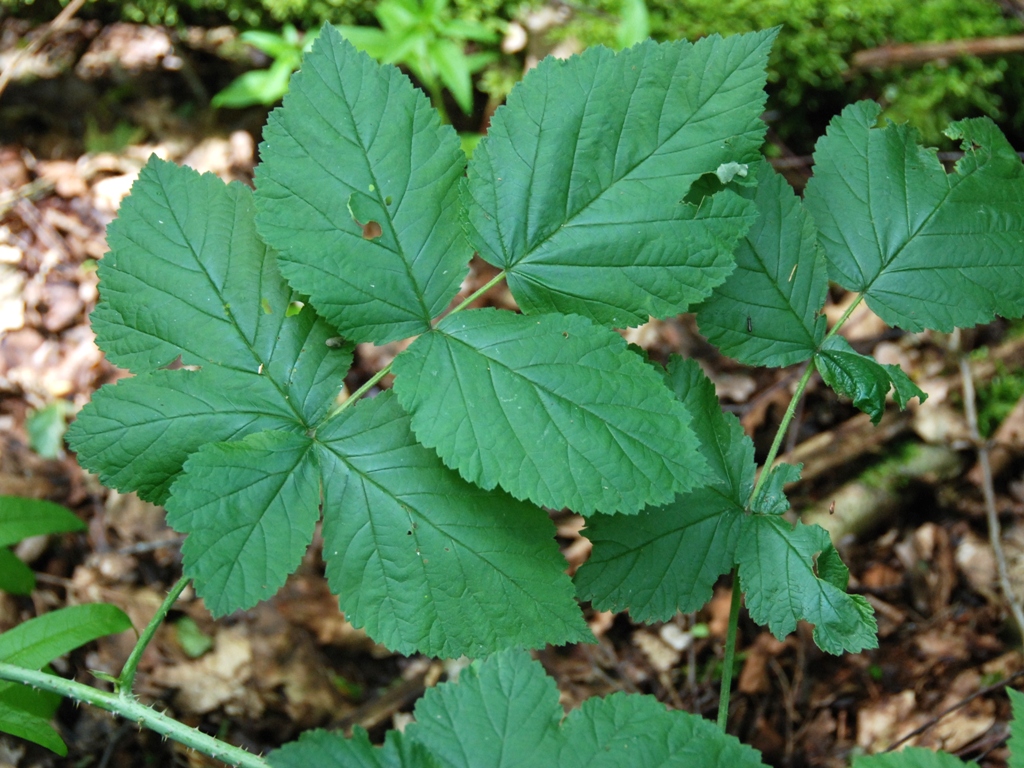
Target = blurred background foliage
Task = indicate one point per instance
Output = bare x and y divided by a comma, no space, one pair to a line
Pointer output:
811,77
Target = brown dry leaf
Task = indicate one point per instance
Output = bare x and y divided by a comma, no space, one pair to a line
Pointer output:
754,675
218,680
942,644
977,563
881,723
660,655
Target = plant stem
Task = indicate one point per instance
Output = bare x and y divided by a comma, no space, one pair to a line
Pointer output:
131,709
781,434
127,678
354,397
846,316
479,292
730,653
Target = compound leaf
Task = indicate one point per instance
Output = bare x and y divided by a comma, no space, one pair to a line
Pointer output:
863,380
21,518
628,730
426,561
551,408
504,712
577,189
927,249
359,191
249,507
187,277
791,573
767,311
325,749
668,558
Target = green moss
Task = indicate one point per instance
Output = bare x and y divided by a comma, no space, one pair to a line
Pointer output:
996,400
808,70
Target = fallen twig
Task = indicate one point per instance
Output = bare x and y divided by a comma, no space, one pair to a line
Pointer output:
919,53
994,534
59,21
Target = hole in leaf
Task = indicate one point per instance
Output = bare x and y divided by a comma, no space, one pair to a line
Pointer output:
294,308
177,364
705,186
371,230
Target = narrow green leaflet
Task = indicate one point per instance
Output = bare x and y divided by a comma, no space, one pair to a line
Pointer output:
249,508
30,727
420,558
926,248
862,379
552,408
791,573
41,640
35,643
914,757
577,189
15,577
187,277
425,561
668,558
767,311
21,518
359,192
324,749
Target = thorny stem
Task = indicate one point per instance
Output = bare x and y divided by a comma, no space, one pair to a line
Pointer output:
127,678
131,709
730,653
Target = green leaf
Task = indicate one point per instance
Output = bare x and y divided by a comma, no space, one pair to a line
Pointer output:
187,277
358,191
46,428
926,248
324,749
623,730
21,518
32,728
40,640
259,86
771,499
767,311
577,190
249,508
504,712
668,558
453,68
791,573
426,561
914,757
551,408
15,577
862,379
1016,743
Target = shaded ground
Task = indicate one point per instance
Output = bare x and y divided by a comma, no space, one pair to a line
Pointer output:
259,677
